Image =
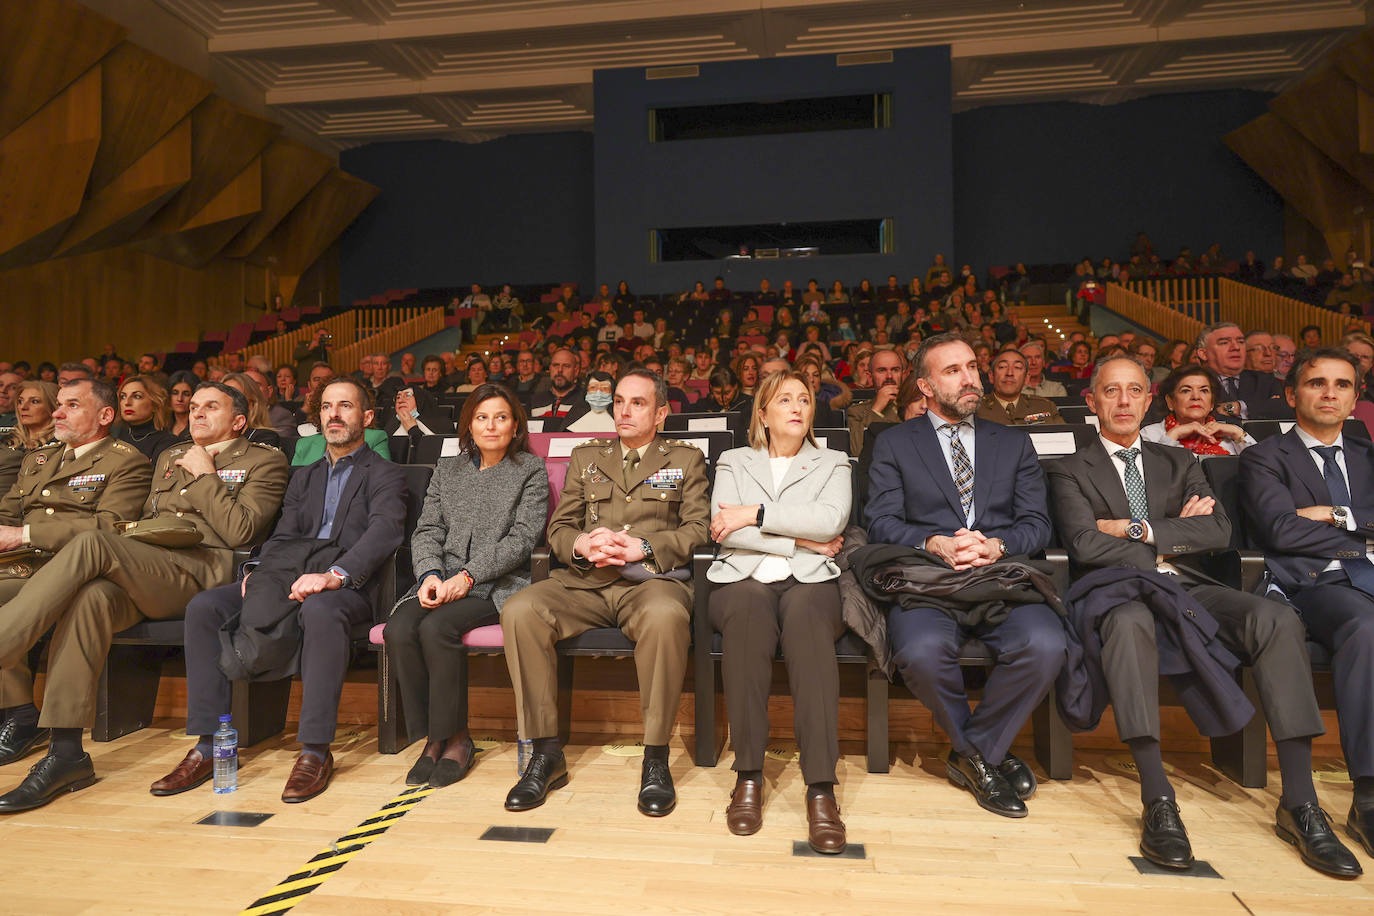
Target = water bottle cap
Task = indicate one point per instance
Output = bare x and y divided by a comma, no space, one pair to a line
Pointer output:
225,718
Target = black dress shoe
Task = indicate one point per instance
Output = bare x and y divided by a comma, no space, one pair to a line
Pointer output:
50,777
17,740
656,794
1308,828
1163,838
1018,776
1360,825
988,786
543,774
419,774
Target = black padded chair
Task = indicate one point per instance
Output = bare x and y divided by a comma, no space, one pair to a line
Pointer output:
838,439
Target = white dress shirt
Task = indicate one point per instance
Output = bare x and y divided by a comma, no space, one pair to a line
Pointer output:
773,568
1310,442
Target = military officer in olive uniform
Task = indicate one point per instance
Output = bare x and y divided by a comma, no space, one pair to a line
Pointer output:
85,481
1006,403
631,514
228,488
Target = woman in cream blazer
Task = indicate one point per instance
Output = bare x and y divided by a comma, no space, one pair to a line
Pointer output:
780,506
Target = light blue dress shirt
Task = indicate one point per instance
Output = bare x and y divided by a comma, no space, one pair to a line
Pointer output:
966,437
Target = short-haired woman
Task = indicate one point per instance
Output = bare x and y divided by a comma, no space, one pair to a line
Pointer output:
1191,395
484,514
782,504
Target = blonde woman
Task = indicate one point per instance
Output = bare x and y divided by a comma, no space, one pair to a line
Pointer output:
34,403
259,423
781,505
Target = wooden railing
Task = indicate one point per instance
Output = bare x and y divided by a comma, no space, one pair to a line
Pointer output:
1196,297
421,323
1253,308
1168,322
348,328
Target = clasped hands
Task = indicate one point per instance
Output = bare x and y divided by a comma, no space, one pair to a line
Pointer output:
604,547
1195,506
435,591
1210,431
965,549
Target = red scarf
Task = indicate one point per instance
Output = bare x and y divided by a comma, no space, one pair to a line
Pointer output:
1195,444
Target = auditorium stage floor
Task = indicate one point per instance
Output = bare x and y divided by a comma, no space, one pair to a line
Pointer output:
113,848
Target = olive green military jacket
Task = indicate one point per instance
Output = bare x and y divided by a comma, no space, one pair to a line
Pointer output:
665,502
56,501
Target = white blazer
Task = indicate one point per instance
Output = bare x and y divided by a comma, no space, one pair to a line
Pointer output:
813,503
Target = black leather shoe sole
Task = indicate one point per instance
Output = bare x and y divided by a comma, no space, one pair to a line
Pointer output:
1359,838
657,812
962,781
557,783
1316,864
10,755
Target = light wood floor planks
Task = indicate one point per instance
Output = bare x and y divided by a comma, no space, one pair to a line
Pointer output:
113,848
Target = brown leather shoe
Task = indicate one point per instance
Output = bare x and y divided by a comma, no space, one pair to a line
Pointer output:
744,814
194,770
825,830
309,777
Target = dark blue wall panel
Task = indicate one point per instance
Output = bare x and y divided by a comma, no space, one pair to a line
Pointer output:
517,209
1057,182
902,172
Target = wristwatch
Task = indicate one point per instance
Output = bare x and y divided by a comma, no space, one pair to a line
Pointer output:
1340,515
648,548
344,579
758,520
1135,530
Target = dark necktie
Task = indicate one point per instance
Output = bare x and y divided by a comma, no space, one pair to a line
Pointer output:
1135,484
1231,388
1359,569
963,468
631,464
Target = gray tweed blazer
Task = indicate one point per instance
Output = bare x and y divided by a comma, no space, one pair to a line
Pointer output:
487,522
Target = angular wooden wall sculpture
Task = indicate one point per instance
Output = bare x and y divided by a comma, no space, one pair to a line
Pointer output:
134,175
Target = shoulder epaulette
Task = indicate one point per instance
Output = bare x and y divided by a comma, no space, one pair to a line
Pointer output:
119,445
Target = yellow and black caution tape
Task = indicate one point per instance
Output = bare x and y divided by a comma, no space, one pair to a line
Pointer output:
326,862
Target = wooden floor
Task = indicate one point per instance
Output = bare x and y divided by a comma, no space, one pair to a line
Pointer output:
113,848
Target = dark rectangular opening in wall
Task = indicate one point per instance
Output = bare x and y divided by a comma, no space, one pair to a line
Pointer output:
772,240
870,111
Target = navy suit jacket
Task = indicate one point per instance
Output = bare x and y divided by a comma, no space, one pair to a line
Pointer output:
912,495
1278,477
368,524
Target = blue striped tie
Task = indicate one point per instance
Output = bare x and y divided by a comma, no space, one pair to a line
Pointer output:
963,468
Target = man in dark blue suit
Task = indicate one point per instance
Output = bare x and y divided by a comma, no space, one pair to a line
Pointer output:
971,492
342,519
1310,494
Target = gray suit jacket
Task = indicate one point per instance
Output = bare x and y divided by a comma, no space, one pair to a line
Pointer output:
487,522
813,503
1084,487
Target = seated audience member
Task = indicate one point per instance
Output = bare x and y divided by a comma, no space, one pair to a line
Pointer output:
418,414
746,369
1007,403
34,403
279,419
623,297
1145,351
937,267
1361,346
70,372
766,294
287,385
923,495
383,385
294,608
1245,394
1036,382
310,352
183,385
718,291
892,292
1122,518
483,517
224,487
789,295
778,589
432,375
1078,363
1259,352
594,414
886,369
911,400
1285,350
1307,497
662,338
861,375
528,380
1190,395
475,375
47,372
312,446
145,415
629,552
1310,336
813,295
724,395
702,366
259,424
90,483
813,369
675,374
864,294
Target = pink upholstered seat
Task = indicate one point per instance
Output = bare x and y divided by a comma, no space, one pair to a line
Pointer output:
376,635
488,637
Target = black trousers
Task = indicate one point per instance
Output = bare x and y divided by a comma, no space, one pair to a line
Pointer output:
1263,633
326,620
752,618
431,662
1341,618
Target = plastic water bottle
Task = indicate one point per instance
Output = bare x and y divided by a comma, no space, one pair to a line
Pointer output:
226,757
524,750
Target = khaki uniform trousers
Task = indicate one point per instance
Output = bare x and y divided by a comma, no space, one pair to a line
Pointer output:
97,585
655,614
16,683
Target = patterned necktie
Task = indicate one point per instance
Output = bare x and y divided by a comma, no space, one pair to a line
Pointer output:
1135,484
1231,388
963,468
1359,569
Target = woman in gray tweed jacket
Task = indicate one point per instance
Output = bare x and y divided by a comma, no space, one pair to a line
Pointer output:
484,514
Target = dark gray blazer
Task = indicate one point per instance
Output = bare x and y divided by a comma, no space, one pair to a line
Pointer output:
487,522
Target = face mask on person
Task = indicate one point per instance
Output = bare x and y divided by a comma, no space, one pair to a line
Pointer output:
598,400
